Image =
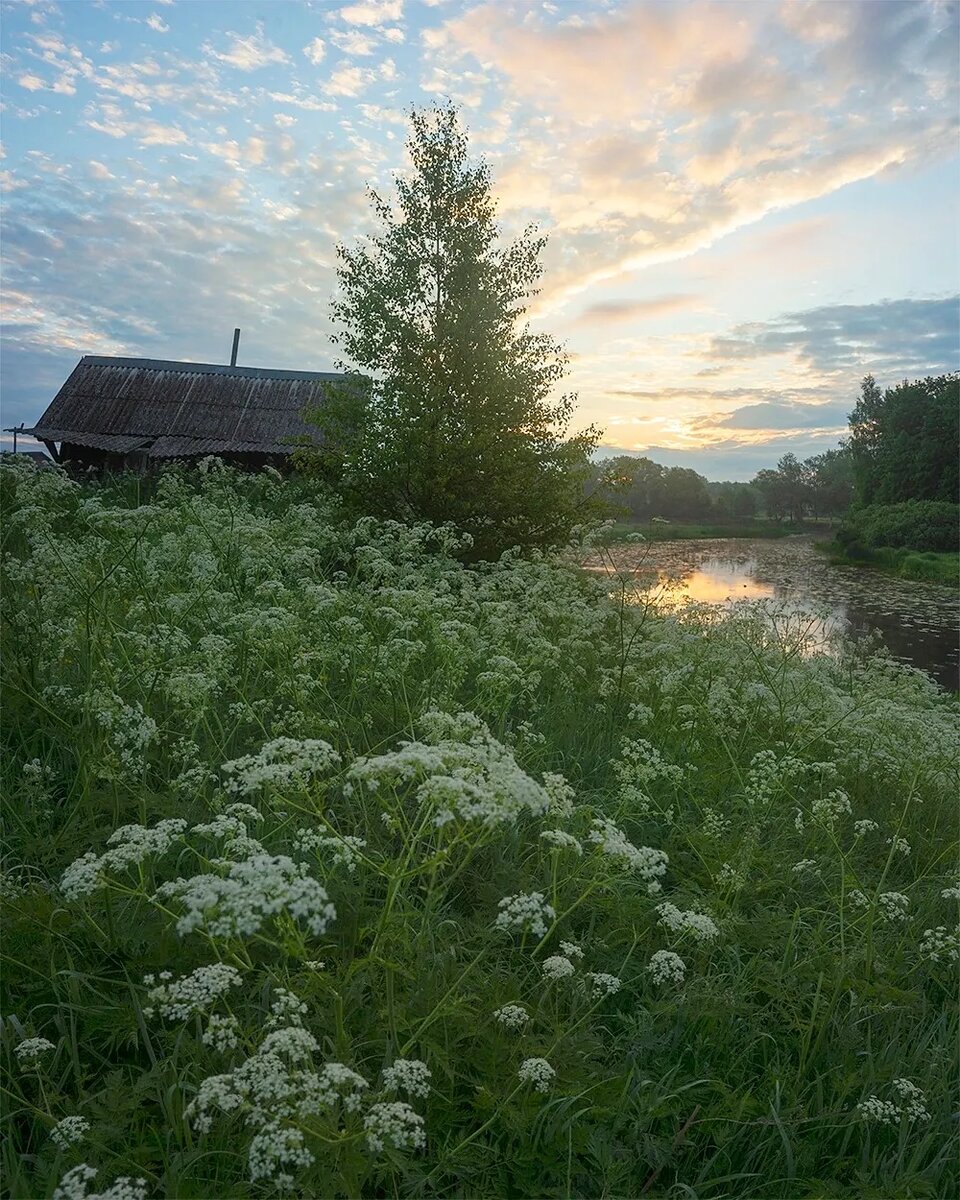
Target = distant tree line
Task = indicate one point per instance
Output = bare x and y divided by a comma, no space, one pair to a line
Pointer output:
644,490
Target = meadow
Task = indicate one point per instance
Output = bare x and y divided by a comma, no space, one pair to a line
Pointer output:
333,867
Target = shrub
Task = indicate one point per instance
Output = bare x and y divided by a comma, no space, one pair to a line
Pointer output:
916,524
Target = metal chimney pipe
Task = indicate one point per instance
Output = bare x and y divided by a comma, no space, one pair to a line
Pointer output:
236,347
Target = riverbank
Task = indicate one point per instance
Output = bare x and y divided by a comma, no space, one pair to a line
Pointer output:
926,566
656,531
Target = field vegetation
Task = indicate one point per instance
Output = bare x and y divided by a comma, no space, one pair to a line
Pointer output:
335,867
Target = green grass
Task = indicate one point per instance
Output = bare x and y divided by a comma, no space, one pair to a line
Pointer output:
929,566
154,655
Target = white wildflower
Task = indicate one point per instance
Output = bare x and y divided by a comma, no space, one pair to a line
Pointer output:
828,809
702,927
604,984
29,1052
882,1111
613,842
561,795
557,967
900,846
858,899
666,967
73,1186
951,893
523,912
222,1033
394,1124
893,905
407,1075
275,1151
69,1131
284,761
342,850
571,949
862,828
910,1104
941,943
195,992
512,1016
253,891
561,840
538,1072
285,1009
804,865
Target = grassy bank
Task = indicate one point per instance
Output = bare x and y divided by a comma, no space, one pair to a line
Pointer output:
333,868
657,532
928,566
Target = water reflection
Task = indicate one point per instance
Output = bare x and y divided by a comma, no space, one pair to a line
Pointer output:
917,622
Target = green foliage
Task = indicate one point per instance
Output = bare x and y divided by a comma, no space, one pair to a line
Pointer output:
456,420
917,524
905,441
157,648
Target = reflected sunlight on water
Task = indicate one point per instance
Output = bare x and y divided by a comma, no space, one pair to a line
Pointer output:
917,622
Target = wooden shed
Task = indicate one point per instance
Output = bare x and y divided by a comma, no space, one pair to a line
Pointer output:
124,412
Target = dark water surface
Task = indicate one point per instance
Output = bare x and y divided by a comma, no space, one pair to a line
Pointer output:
917,622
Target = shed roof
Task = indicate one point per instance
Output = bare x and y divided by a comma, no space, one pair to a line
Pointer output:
174,409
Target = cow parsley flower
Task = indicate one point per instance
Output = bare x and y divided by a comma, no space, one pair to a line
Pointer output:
561,840
556,967
280,762
69,1132
951,893
285,1009
893,905
804,865
702,927
394,1124
407,1075
252,891
828,809
571,949
941,943
666,967
73,1186
538,1072
900,846
523,912
604,984
862,828
275,1151
611,839
342,850
29,1052
561,795
222,1033
909,1104
512,1016
196,992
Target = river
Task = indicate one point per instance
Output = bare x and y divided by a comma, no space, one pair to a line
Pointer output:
917,622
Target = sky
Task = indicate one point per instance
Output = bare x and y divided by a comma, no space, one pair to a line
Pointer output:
749,206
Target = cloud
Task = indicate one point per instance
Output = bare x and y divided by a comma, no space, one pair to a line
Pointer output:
349,81
250,53
372,12
734,114
625,310
316,51
907,337
353,42
31,83
157,23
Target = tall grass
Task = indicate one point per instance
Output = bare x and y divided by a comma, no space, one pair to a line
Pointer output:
408,879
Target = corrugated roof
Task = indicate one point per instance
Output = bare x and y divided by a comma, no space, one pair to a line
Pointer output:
173,409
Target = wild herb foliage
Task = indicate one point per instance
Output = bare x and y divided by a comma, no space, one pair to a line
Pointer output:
335,868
